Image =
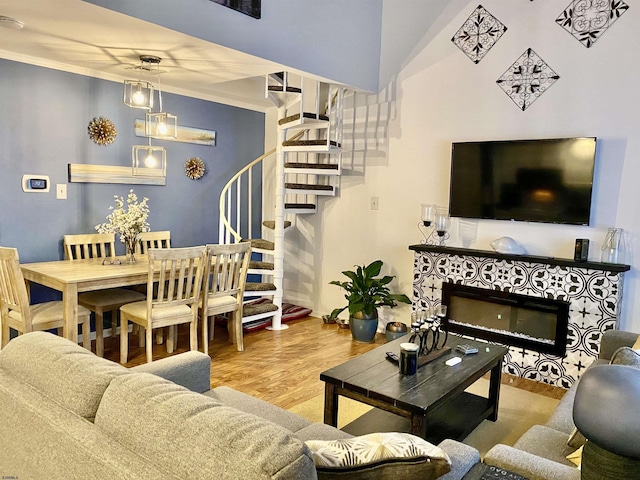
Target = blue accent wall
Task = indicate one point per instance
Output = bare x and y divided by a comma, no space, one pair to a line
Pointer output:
44,115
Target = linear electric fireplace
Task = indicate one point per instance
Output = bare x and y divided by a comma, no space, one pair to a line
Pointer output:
534,323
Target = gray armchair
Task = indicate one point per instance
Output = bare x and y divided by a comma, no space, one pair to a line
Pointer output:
606,412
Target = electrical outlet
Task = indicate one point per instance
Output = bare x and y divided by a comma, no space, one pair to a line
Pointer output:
61,191
374,203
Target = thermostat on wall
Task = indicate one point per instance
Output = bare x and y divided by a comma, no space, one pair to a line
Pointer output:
35,183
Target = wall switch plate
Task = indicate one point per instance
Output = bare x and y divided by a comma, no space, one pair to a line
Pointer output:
374,203
61,191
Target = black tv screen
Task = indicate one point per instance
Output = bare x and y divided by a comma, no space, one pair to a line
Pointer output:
528,180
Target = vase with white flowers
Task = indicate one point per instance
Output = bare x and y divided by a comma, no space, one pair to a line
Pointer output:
129,220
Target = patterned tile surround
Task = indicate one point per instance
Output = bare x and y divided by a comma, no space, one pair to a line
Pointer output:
593,290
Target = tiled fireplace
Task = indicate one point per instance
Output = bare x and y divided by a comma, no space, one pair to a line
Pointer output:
593,291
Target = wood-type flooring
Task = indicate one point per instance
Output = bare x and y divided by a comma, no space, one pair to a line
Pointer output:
282,367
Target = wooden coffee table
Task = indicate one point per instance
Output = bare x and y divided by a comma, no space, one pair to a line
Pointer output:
433,399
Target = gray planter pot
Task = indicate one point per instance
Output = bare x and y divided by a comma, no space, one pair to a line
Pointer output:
363,328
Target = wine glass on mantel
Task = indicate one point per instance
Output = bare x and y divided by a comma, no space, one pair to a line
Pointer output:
442,226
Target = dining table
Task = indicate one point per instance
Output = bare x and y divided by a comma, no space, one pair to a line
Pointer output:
72,277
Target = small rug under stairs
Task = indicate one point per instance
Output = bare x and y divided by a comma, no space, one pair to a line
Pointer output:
289,312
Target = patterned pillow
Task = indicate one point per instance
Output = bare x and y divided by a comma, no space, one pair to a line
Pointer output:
379,450
626,356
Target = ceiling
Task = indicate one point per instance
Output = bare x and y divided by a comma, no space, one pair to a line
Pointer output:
79,37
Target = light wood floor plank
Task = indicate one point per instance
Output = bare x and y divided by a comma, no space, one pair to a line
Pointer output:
283,367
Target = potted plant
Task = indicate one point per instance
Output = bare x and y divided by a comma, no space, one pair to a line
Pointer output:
365,293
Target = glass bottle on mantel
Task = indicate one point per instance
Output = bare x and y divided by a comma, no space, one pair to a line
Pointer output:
613,246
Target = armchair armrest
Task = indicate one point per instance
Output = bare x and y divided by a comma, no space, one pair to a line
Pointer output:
613,340
529,465
463,458
191,369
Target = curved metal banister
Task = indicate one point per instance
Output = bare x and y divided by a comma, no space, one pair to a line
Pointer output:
224,221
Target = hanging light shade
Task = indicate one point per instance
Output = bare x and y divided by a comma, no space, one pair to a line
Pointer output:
161,125
138,94
149,160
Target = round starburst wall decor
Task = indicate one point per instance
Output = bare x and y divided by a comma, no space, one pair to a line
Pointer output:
194,168
102,131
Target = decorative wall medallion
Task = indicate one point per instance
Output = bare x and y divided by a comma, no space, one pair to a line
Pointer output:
587,20
478,34
102,131
194,168
527,79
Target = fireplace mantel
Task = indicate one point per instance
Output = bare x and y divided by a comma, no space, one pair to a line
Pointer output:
564,262
592,289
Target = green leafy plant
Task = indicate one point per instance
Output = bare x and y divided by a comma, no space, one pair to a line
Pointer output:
365,292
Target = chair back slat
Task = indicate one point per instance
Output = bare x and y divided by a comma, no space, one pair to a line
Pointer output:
92,245
159,239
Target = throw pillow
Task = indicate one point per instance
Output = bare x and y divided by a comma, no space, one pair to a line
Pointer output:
377,450
576,439
576,457
625,356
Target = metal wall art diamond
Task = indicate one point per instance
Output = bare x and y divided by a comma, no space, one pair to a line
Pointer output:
478,34
587,20
527,79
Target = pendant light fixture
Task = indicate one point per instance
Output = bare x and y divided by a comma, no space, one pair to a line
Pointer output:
160,124
149,160
139,93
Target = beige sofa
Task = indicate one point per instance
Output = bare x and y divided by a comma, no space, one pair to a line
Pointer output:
67,414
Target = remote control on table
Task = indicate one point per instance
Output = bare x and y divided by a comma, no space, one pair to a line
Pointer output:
392,357
466,349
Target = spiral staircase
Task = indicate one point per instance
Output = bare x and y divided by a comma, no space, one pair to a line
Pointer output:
288,181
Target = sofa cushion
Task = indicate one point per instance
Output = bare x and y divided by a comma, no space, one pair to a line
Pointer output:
626,356
193,436
68,374
379,455
545,442
41,439
255,406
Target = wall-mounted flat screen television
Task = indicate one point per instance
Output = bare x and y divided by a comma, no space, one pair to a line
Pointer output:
547,180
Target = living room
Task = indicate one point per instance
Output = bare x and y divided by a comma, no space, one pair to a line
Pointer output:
419,94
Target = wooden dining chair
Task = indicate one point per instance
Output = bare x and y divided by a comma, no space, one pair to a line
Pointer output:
224,281
177,273
17,313
159,239
99,245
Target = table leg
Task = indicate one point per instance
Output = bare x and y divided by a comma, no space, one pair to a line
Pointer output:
494,390
70,314
419,425
330,405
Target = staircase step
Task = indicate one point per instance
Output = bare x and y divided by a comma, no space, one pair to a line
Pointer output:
309,120
329,169
260,243
279,88
259,287
300,208
308,189
256,265
271,224
308,143
251,312
312,146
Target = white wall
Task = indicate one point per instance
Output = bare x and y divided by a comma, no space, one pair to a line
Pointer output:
441,96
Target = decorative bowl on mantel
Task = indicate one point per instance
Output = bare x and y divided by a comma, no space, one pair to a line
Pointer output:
395,330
